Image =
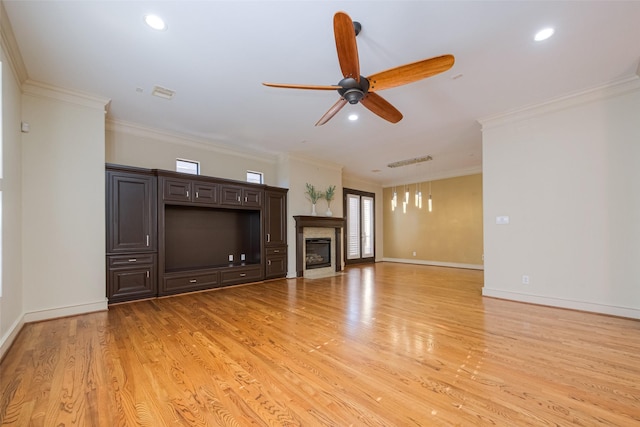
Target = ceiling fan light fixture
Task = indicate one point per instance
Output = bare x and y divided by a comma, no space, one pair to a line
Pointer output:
353,96
353,117
543,34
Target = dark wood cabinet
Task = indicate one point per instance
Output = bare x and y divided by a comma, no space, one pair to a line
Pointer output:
205,193
131,212
276,262
173,283
188,191
131,230
235,195
170,233
275,232
131,277
240,274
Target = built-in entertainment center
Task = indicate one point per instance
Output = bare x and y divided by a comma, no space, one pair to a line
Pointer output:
169,232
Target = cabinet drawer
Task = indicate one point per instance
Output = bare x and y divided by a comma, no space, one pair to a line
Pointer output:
276,251
135,259
190,282
241,274
131,282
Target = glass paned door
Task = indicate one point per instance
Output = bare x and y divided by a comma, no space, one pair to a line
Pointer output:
360,239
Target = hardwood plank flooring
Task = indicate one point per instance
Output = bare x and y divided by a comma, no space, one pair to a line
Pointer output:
379,345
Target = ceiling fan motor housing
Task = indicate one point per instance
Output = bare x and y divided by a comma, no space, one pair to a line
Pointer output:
353,91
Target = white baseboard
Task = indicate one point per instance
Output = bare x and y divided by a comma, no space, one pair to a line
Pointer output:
53,313
71,310
632,313
8,338
436,263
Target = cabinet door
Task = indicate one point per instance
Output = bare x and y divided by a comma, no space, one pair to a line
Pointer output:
205,193
131,212
231,195
276,262
251,197
131,282
177,190
275,217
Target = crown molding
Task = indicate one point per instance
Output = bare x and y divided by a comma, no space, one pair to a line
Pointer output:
10,47
364,181
315,162
609,90
43,90
475,170
119,126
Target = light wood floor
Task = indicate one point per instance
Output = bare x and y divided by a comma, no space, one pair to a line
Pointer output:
380,345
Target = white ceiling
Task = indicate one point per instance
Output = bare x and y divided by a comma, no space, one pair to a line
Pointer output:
216,54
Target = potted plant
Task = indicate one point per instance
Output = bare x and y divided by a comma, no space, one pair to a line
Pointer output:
314,196
329,195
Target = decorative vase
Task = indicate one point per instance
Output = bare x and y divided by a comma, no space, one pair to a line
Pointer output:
313,210
328,213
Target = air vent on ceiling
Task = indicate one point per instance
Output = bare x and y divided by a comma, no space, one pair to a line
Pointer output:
163,92
410,161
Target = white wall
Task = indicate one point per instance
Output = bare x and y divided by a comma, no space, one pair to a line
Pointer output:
11,302
567,174
63,203
133,145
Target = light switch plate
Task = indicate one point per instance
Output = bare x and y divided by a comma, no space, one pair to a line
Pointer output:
502,220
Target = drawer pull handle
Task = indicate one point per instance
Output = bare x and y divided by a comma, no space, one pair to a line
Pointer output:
269,262
243,274
147,274
193,281
197,195
132,260
268,237
147,240
277,251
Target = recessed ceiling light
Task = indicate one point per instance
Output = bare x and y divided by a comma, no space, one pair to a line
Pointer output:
543,34
155,22
353,117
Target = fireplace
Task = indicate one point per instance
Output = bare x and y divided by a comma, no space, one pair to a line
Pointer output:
323,228
317,253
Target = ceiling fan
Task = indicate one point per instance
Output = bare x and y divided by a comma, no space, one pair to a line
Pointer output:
354,88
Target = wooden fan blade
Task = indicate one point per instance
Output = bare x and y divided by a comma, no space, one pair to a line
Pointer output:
410,73
332,111
378,105
295,86
346,45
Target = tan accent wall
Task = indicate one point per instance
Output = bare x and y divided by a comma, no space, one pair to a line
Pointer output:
450,234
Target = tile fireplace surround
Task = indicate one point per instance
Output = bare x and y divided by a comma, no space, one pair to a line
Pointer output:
319,226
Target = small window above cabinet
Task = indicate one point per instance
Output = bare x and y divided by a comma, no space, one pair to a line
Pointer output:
183,190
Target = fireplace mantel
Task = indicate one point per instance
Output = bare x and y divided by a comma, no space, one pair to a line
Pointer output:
303,221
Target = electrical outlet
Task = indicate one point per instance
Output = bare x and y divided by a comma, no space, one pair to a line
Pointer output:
230,258
525,279
414,253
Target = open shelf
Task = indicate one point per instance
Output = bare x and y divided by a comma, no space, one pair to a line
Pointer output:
202,237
